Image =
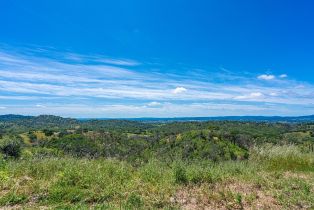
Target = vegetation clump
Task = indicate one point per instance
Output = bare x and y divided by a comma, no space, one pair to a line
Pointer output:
10,147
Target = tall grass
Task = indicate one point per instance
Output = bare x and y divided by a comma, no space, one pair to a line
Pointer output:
286,157
70,180
80,183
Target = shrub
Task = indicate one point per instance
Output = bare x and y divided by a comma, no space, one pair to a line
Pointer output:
76,145
180,174
10,147
48,132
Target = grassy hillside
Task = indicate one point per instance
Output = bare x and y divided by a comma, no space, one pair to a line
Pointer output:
131,165
263,181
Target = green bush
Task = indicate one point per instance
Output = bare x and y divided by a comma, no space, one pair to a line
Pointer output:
180,174
10,147
76,145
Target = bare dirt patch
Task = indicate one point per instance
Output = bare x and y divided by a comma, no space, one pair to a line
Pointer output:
304,176
225,196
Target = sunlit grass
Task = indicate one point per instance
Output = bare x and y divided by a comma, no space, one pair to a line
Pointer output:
282,174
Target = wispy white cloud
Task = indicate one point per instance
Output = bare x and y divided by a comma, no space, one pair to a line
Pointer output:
119,62
266,77
254,95
154,104
273,94
40,106
74,77
283,76
178,90
98,59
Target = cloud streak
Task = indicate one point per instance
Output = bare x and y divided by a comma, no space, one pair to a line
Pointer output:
95,80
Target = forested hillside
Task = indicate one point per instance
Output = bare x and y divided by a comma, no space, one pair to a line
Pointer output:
54,162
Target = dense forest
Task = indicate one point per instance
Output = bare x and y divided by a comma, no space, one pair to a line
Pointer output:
63,163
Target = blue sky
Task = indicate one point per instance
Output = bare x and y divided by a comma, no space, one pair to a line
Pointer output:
156,58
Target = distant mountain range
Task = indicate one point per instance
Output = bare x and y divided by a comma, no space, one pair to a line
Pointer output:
309,118
13,117
55,119
47,121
